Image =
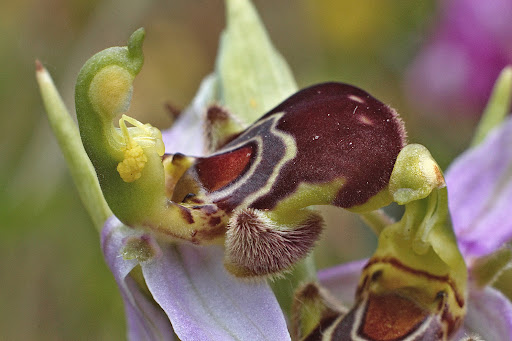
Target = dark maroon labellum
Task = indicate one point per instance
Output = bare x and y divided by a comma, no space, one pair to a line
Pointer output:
325,132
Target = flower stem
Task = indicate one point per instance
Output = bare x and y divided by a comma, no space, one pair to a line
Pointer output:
70,143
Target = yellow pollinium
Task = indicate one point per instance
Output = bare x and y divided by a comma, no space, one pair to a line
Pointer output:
111,90
137,141
130,169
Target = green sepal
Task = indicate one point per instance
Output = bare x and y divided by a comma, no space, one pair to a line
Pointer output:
253,76
68,137
486,270
497,107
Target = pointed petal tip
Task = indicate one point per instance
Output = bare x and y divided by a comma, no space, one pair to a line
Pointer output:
39,66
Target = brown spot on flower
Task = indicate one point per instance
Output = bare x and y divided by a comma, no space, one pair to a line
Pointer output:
173,110
220,127
214,221
186,215
391,317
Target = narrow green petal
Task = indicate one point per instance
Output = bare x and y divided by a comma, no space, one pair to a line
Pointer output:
486,270
498,106
70,143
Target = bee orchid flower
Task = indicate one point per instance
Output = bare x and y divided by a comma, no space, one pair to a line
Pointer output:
195,219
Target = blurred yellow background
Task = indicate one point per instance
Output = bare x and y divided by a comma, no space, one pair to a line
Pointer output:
54,283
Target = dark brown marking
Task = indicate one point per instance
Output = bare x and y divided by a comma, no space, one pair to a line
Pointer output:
212,233
453,323
206,209
185,213
376,275
216,113
214,221
188,197
177,158
396,263
173,111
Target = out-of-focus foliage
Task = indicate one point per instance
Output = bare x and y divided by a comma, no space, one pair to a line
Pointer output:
54,282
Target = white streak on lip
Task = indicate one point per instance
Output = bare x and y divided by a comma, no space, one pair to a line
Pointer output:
365,120
356,98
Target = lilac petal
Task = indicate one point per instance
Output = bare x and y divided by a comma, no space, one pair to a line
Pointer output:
342,280
187,134
146,320
480,191
204,302
489,315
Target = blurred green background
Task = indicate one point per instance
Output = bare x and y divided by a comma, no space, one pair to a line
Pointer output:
54,283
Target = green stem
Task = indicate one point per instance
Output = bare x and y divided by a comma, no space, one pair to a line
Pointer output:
70,143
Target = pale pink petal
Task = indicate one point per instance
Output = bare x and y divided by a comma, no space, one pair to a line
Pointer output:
204,302
146,320
489,315
480,194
